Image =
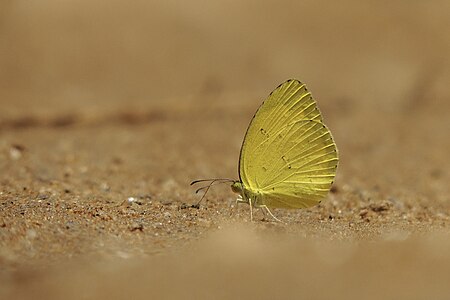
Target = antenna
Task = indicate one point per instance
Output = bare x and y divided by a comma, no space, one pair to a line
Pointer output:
213,181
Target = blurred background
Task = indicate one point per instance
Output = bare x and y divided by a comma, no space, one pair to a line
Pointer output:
73,54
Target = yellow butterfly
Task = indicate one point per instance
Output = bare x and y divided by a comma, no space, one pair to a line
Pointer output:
288,158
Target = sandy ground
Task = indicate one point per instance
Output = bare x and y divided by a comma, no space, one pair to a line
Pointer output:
110,109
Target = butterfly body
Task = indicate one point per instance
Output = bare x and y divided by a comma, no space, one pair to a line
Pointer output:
253,197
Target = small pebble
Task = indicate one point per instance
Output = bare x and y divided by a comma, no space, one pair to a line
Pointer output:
31,234
15,152
137,226
363,213
105,187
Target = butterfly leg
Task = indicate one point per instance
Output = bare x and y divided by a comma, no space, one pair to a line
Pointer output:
239,199
270,213
251,209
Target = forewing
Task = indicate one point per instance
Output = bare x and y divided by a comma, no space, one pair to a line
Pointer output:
288,154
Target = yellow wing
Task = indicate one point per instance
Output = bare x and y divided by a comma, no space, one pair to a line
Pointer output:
288,157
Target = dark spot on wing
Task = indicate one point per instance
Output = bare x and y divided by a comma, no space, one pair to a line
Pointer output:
286,160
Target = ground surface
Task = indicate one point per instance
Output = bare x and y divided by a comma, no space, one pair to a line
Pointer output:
104,124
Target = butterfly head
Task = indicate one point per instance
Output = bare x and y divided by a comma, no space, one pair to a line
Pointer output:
236,187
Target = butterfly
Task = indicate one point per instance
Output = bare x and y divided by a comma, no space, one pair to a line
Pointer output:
288,158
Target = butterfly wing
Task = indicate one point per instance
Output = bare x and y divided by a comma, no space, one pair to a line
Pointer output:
288,156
